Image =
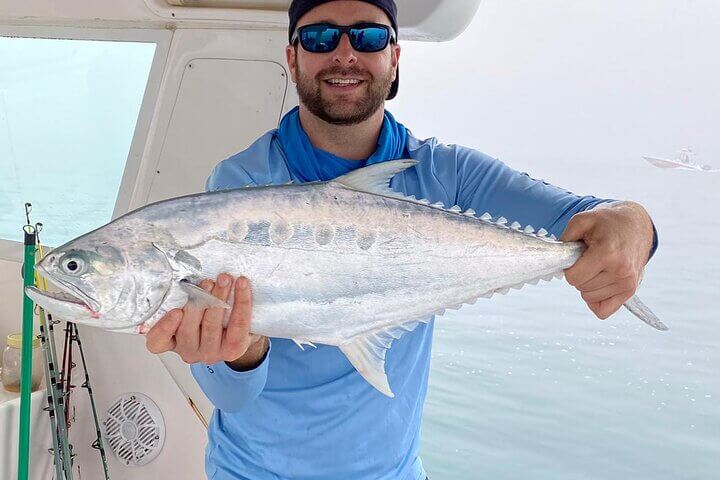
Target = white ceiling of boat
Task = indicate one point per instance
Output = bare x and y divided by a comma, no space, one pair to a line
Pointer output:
431,20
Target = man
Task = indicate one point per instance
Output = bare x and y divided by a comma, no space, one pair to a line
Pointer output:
286,413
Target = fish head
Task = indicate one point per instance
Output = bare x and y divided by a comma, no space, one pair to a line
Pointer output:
103,284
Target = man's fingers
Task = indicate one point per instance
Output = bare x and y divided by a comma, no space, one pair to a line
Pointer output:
577,227
211,329
602,279
605,293
188,335
588,266
161,337
607,307
612,305
238,327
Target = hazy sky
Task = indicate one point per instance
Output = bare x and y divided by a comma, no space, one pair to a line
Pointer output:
531,81
574,92
554,87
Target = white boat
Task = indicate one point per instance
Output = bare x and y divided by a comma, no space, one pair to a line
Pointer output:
683,160
211,79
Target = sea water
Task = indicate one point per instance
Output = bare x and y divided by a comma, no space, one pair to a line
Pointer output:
532,385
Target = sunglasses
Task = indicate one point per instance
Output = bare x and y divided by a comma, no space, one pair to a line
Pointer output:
325,37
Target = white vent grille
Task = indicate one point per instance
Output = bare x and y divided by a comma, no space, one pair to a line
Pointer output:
134,429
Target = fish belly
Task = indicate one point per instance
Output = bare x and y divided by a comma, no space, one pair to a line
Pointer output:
328,274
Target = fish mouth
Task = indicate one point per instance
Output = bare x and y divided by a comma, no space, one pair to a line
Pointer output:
62,304
69,296
59,296
67,290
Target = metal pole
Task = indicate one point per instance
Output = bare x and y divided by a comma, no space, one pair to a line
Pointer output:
26,357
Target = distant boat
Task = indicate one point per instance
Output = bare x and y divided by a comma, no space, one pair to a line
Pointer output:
683,160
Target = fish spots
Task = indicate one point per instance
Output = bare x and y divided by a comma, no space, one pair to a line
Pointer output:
347,237
324,234
280,232
238,231
365,239
258,233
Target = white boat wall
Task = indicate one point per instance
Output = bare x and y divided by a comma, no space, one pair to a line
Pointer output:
218,80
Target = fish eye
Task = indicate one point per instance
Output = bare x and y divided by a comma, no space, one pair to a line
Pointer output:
73,266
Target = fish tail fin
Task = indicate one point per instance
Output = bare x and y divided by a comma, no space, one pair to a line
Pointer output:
641,311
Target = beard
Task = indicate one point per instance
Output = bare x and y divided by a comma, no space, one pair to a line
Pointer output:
343,113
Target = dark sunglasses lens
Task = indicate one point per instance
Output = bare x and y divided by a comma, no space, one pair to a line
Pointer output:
319,38
369,39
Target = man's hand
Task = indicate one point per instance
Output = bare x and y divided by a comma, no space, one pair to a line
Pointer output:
619,237
197,335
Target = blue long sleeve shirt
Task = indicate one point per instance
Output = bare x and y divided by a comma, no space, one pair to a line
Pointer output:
308,414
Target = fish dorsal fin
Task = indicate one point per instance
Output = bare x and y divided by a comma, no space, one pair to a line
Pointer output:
300,344
375,178
367,353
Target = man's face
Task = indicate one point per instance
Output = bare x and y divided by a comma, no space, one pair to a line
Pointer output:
313,72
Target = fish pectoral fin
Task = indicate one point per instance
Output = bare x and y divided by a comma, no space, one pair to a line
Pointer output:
367,353
200,297
376,177
180,261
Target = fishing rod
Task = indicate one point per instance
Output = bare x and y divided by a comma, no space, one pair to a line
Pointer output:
30,277
184,392
61,448
49,388
59,393
98,443
67,367
66,454
72,335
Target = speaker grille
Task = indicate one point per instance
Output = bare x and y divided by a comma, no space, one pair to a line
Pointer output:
134,429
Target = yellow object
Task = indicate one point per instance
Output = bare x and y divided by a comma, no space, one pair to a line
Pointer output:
12,363
15,340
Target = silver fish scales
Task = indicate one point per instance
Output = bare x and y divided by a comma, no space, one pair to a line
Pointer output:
349,262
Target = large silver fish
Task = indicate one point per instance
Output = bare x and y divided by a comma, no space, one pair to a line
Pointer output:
348,262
